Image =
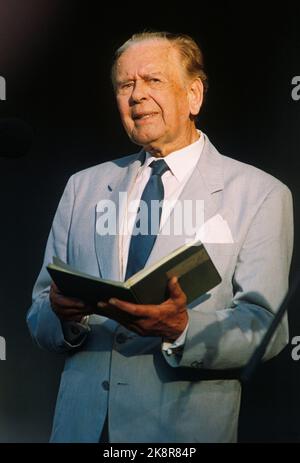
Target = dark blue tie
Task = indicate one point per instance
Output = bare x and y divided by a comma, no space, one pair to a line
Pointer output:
142,244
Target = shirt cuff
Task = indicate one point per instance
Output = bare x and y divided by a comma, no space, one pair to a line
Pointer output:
176,346
75,332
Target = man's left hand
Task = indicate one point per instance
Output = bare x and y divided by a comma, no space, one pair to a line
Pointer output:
167,320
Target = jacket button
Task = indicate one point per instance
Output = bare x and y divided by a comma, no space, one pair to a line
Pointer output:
105,385
121,338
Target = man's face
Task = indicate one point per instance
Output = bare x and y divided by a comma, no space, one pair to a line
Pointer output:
154,97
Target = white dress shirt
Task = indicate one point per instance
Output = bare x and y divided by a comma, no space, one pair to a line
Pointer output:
181,164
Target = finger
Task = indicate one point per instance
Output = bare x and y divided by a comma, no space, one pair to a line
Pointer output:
138,310
54,288
67,302
114,313
176,292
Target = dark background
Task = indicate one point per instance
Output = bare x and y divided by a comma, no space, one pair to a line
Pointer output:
56,56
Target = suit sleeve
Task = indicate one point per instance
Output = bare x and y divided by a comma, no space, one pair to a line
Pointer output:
45,327
226,337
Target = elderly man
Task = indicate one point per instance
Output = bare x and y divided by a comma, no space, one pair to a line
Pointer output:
163,373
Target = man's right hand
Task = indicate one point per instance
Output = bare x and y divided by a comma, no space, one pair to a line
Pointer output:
68,308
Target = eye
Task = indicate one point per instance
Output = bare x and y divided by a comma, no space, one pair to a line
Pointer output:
155,82
124,87
127,85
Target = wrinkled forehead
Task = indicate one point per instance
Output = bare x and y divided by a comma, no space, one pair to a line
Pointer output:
151,56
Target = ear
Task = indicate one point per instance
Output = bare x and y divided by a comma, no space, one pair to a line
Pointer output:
195,96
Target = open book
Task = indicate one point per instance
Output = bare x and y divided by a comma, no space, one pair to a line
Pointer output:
190,263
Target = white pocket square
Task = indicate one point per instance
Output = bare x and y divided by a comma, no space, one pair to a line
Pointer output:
215,230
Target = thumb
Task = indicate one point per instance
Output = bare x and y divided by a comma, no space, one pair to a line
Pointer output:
176,292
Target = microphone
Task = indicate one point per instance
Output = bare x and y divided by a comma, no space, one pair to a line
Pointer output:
16,137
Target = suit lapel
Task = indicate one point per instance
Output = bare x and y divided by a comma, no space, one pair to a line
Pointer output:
107,246
205,184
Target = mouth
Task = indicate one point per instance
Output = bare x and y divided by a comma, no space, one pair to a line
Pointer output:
143,116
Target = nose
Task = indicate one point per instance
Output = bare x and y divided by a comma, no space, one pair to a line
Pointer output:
139,92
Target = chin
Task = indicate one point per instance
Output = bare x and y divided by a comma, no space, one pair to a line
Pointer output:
144,140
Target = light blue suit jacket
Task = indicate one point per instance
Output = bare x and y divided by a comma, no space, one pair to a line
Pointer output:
150,396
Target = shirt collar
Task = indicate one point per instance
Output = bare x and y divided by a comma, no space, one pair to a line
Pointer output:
190,154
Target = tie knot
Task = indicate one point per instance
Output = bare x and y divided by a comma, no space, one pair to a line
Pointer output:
159,167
